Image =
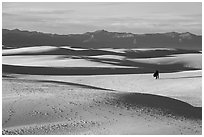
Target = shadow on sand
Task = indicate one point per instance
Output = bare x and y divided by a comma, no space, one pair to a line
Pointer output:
74,84
165,104
128,53
88,70
183,77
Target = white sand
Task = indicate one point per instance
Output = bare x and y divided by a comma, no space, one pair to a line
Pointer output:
189,60
67,47
114,50
108,57
54,61
31,107
185,86
27,50
100,104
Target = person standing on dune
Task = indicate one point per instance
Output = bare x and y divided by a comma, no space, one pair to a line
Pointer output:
156,74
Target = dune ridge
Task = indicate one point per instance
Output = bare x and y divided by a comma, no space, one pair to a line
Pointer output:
90,70
67,60
93,111
130,53
65,90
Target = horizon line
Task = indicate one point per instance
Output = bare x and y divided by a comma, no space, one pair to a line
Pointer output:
103,30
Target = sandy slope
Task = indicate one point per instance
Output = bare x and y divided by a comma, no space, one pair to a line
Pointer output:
54,61
28,50
185,86
37,49
31,107
188,60
72,57
61,93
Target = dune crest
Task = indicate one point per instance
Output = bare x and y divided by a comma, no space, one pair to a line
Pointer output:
65,90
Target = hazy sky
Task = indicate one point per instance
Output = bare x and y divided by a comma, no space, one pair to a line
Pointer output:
66,18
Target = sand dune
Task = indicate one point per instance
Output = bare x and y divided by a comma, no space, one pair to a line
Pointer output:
149,59
114,64
98,65
169,84
72,48
34,107
114,50
59,61
63,50
51,50
28,50
65,90
188,60
156,52
108,57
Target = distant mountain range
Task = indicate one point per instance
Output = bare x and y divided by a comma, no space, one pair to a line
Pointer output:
102,39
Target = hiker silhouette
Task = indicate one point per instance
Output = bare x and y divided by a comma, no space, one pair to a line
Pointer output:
156,74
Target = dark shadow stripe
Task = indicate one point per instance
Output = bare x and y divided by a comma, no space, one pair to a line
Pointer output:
183,77
89,70
74,84
166,104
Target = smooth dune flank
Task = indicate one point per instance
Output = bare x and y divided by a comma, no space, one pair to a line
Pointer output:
50,90
59,61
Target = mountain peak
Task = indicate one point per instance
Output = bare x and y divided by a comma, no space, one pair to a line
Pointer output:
103,39
172,34
97,32
100,31
186,35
